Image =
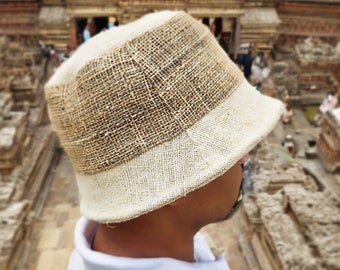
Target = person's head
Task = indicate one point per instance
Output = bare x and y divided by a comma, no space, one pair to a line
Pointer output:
112,19
289,137
153,113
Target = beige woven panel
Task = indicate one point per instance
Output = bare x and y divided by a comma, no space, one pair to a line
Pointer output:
140,94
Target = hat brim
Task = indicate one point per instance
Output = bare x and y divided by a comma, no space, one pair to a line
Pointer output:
187,162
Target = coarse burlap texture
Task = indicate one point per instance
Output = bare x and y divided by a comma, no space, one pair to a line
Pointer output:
150,111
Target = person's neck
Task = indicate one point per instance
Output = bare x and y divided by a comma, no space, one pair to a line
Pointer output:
148,236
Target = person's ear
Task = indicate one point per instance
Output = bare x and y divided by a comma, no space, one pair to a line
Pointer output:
244,159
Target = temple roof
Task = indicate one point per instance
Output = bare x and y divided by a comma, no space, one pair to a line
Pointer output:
260,16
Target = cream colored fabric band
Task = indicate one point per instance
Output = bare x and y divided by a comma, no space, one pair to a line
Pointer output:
136,95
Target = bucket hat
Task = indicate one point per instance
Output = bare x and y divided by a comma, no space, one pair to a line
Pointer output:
150,111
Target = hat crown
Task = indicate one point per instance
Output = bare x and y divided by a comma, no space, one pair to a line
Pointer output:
139,93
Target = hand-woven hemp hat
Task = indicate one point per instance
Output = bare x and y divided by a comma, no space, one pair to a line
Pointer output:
150,111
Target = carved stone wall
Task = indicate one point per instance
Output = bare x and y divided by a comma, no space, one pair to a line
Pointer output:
290,220
27,144
329,140
19,18
302,20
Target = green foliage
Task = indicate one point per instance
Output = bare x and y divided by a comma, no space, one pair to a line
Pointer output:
310,113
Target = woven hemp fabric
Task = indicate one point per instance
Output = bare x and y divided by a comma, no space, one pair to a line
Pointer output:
140,94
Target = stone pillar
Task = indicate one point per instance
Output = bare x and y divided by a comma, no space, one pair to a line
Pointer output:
73,34
237,35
